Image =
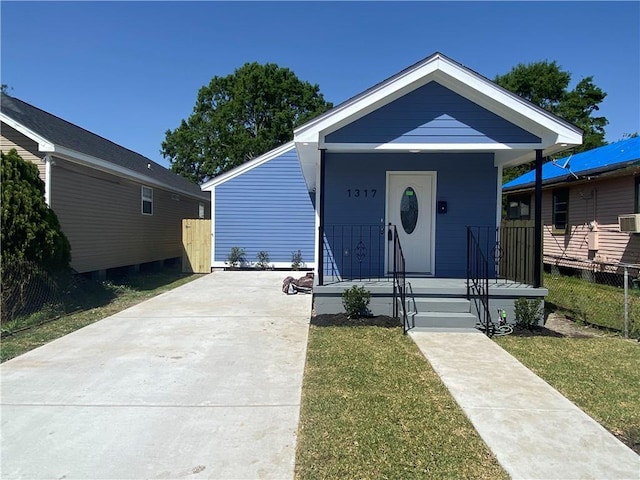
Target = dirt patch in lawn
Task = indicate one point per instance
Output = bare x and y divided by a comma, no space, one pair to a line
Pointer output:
568,328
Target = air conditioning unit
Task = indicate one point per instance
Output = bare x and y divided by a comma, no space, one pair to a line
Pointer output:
629,223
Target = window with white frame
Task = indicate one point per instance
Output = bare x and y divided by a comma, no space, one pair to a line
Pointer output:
200,210
147,200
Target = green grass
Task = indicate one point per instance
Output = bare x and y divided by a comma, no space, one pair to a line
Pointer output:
372,407
95,300
592,303
600,375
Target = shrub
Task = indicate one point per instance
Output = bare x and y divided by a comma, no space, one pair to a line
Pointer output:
296,260
355,301
30,229
262,258
236,257
528,312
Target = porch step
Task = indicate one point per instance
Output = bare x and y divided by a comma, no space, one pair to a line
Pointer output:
443,320
449,305
445,330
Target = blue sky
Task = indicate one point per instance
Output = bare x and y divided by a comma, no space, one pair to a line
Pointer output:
131,70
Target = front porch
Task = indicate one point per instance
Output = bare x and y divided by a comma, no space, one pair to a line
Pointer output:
431,302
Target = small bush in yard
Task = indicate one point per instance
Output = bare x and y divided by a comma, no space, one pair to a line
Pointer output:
262,258
528,312
296,260
236,257
355,301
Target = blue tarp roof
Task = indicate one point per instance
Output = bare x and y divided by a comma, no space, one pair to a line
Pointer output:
610,157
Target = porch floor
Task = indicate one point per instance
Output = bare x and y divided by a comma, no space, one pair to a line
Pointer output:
426,297
432,286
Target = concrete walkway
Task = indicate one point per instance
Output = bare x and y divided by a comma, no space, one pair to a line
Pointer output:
201,382
534,431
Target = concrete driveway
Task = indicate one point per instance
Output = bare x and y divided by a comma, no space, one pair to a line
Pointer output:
201,382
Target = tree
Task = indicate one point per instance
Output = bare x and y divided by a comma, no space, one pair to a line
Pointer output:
30,229
546,85
239,117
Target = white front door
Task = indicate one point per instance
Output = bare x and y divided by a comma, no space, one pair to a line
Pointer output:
411,208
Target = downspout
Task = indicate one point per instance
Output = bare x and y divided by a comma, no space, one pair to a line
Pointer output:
48,162
537,234
320,208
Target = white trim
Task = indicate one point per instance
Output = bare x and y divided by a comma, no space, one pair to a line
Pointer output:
44,145
240,169
434,185
451,75
144,198
108,167
73,156
428,147
47,179
316,234
213,225
279,265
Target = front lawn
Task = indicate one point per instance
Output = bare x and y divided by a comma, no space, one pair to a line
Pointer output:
372,407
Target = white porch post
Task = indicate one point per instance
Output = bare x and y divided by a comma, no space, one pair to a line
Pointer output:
320,208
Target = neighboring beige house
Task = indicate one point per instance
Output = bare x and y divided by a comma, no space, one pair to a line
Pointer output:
117,207
590,207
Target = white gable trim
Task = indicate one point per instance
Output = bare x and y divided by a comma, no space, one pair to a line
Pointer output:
73,156
454,76
427,147
44,145
108,167
250,165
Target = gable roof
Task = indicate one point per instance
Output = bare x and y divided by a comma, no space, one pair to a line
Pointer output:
245,167
555,133
61,138
614,156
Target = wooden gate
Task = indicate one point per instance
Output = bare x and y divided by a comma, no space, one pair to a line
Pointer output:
196,245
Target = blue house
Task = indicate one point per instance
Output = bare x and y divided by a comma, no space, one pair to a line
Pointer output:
399,172
263,206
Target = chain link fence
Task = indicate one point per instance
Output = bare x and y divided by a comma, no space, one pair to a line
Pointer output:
30,296
605,295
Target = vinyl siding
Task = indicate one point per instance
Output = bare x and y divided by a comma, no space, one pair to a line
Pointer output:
101,215
26,148
602,201
431,114
467,182
267,208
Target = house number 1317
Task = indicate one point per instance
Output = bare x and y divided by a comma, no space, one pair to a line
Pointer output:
357,193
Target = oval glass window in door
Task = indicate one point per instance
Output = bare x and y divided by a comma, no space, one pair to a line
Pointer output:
409,210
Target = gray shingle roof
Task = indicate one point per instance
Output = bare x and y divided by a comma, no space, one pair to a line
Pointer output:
66,134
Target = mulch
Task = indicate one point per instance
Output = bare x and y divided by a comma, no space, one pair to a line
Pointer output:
555,326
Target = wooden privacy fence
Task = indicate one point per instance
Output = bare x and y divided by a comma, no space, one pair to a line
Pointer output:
516,251
196,245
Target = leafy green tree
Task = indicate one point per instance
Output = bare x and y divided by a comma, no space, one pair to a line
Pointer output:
547,85
30,229
239,117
